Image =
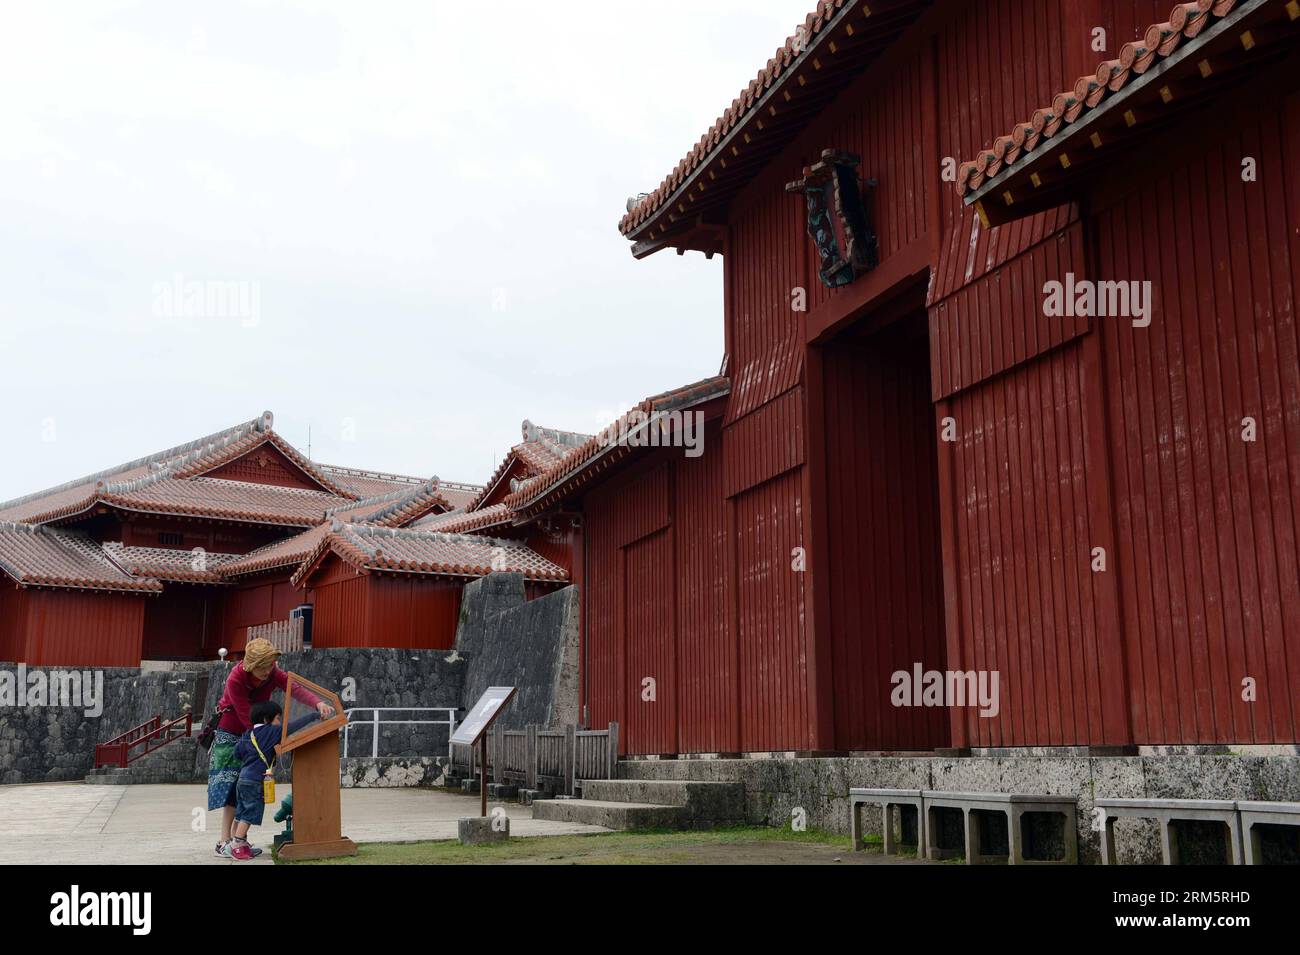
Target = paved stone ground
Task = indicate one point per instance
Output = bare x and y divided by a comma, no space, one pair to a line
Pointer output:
57,823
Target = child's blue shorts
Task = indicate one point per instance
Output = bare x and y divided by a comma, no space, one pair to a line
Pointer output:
249,801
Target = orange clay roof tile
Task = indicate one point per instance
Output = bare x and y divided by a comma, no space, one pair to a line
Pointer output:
35,556
397,550
1186,22
189,566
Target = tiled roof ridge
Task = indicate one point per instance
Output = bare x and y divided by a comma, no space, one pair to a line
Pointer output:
256,561
462,522
130,487
576,458
412,533
397,494
1187,21
154,459
362,545
344,471
781,61
422,498
552,437
553,445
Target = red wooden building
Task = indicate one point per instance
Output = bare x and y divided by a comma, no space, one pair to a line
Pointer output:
912,456
176,555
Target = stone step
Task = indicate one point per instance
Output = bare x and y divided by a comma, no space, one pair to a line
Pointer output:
612,815
703,801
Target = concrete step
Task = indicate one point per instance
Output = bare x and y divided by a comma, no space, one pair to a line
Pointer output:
703,801
612,815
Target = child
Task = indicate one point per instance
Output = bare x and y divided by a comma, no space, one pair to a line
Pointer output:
256,752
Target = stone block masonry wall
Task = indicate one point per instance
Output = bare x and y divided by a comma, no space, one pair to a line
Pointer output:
49,744
529,644
775,787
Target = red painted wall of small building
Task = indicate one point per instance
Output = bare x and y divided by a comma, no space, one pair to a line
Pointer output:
73,628
340,611
253,602
413,611
377,610
12,626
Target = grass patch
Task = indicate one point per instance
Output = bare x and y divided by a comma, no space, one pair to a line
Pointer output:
634,847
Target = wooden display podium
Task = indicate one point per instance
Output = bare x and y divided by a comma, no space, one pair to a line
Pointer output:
317,818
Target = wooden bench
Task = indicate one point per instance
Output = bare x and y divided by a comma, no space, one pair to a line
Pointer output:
1014,806
1166,812
1251,814
887,799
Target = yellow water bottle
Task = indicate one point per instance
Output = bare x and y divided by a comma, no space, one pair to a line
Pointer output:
268,787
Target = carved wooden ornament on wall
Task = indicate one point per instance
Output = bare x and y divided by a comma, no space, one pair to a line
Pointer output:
839,220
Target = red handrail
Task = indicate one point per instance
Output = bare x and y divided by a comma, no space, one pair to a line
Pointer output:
152,734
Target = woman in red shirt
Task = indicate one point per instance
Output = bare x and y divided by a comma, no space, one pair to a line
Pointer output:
251,681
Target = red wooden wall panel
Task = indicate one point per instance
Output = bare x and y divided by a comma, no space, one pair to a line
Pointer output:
708,720
648,603
883,563
996,62
12,622
997,321
414,612
1023,555
340,612
1207,521
764,267
765,443
85,629
604,632
771,617
661,598
554,545
255,602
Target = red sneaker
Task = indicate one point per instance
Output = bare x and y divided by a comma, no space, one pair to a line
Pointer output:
242,851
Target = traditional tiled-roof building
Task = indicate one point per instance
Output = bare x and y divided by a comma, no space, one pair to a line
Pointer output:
179,553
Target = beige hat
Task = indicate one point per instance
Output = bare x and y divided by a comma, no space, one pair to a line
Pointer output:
258,653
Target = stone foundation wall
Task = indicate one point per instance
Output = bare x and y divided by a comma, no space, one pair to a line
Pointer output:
54,743
529,644
776,787
391,772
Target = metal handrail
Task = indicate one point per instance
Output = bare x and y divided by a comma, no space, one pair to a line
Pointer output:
117,751
375,721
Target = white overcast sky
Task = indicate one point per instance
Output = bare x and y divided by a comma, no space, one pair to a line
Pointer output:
424,197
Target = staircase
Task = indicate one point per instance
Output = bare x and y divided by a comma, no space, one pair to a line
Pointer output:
649,804
173,763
